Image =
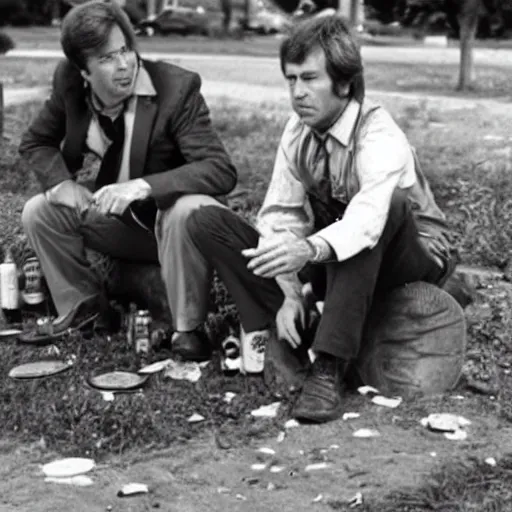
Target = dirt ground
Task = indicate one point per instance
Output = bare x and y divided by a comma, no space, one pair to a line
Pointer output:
200,476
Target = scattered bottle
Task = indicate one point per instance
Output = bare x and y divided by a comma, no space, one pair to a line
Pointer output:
9,290
32,291
130,324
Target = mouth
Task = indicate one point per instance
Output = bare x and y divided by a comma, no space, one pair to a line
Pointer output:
123,82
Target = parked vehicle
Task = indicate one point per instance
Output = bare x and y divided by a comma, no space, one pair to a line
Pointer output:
265,21
176,19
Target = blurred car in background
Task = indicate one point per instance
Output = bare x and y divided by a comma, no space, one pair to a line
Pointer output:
177,20
263,20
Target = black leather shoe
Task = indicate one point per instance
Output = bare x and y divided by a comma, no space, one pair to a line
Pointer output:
321,397
81,317
191,346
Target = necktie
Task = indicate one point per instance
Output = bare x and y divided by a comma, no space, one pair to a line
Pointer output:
111,162
322,171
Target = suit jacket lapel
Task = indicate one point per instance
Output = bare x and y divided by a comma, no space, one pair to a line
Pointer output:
79,121
145,114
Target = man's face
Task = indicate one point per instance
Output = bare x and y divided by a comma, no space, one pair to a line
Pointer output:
111,71
311,92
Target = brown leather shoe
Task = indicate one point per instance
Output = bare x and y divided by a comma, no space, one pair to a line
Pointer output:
191,346
321,396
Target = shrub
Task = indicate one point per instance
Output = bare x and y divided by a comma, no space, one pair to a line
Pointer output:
6,43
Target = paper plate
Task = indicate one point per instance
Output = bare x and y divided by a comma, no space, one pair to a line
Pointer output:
117,381
443,422
7,334
63,468
38,369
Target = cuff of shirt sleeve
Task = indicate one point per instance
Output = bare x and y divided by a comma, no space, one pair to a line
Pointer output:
323,250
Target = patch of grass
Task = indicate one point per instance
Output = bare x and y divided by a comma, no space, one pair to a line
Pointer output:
74,419
491,81
463,485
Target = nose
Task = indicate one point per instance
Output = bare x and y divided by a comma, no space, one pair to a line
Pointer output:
299,91
122,60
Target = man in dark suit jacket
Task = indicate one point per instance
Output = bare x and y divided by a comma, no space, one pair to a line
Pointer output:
160,160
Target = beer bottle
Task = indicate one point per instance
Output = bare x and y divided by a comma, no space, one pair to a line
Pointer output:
9,290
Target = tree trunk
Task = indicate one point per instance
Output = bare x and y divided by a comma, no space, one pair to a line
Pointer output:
227,10
354,12
468,17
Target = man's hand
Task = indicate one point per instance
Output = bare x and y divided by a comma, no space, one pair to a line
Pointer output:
289,319
71,194
114,199
279,257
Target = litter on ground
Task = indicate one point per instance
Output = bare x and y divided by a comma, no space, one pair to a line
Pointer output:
383,401
350,416
63,468
364,390
183,370
258,466
366,432
132,489
228,396
491,461
291,424
266,451
195,418
316,466
266,411
78,480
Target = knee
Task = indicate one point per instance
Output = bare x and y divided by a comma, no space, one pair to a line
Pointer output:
34,212
399,205
206,219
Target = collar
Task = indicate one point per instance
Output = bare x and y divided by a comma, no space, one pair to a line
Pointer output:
143,87
342,129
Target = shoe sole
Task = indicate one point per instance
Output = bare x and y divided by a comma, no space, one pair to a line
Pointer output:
33,338
318,418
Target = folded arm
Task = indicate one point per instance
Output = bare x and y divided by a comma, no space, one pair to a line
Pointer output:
208,169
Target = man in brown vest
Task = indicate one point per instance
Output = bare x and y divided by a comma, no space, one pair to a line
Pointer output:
347,198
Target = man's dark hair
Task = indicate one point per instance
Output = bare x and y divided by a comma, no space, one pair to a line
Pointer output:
342,56
86,29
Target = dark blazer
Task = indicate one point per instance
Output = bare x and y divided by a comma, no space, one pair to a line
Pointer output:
174,146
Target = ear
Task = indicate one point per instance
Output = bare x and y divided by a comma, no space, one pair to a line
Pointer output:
342,90
85,75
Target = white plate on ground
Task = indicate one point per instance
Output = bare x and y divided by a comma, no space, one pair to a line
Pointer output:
7,334
39,369
118,381
63,468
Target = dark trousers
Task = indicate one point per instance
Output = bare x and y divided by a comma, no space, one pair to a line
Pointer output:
348,288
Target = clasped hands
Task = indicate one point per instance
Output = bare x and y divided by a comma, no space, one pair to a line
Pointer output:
273,258
108,200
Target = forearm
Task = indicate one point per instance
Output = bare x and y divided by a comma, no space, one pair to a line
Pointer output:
212,177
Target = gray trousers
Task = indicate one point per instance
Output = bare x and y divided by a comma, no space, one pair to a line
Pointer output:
59,236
